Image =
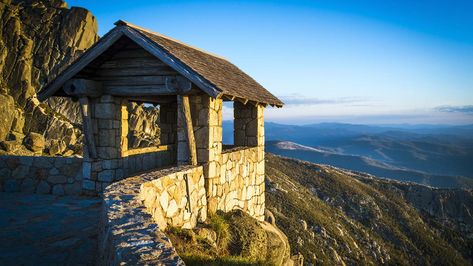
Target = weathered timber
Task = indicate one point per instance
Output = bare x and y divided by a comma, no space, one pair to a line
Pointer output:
242,100
133,71
135,52
132,62
164,56
179,83
145,90
152,99
186,125
172,86
97,49
228,97
83,87
87,127
132,80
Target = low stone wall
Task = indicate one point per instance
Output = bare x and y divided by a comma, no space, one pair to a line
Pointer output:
145,159
240,184
43,175
128,234
101,173
176,197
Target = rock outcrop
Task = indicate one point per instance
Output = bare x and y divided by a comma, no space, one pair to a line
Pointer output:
143,123
258,240
37,39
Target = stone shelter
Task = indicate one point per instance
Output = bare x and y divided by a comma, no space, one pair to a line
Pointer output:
132,64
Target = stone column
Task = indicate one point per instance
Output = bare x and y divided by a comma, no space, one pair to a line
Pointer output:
207,121
110,127
168,123
248,125
249,131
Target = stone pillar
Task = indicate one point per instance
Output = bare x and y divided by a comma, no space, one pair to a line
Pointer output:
110,127
248,125
207,122
249,131
168,123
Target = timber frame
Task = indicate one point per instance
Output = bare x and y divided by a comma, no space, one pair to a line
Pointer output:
105,43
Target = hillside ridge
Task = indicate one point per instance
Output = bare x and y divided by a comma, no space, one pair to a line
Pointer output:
331,215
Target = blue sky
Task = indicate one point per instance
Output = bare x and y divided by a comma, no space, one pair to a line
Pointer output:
370,62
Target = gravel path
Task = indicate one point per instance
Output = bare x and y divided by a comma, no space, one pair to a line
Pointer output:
48,230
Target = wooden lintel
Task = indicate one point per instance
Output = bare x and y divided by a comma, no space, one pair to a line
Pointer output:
242,100
172,86
83,88
179,83
229,97
87,127
154,100
151,90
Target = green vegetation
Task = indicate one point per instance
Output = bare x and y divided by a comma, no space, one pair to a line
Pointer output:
213,243
331,216
219,224
196,259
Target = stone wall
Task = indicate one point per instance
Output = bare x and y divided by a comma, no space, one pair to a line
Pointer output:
179,196
115,160
240,184
127,234
44,175
248,125
168,123
176,197
146,159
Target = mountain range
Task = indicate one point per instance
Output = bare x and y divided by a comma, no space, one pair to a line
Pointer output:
435,155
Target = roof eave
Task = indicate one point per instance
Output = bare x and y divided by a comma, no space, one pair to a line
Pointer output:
86,58
171,61
109,39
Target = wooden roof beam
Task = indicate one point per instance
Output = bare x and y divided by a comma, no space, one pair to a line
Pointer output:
242,100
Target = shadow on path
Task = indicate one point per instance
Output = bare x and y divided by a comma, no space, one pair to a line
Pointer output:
48,230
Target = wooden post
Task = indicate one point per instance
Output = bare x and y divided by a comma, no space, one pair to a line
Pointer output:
87,127
186,123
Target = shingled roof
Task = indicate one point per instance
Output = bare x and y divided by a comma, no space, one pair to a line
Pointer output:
213,74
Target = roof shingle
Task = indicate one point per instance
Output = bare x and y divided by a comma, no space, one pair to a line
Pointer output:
224,75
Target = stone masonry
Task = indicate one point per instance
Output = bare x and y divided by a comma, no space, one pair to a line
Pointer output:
176,197
114,160
234,179
239,186
42,175
224,180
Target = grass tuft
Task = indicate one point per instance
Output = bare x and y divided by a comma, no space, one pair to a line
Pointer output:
219,224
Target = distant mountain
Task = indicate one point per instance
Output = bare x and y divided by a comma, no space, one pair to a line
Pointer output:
338,217
436,155
364,164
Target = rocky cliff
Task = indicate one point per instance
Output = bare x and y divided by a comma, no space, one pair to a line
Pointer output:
37,39
334,216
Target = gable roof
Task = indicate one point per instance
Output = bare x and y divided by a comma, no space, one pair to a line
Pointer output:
212,74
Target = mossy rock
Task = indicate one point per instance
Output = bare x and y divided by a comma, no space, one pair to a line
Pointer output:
249,239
